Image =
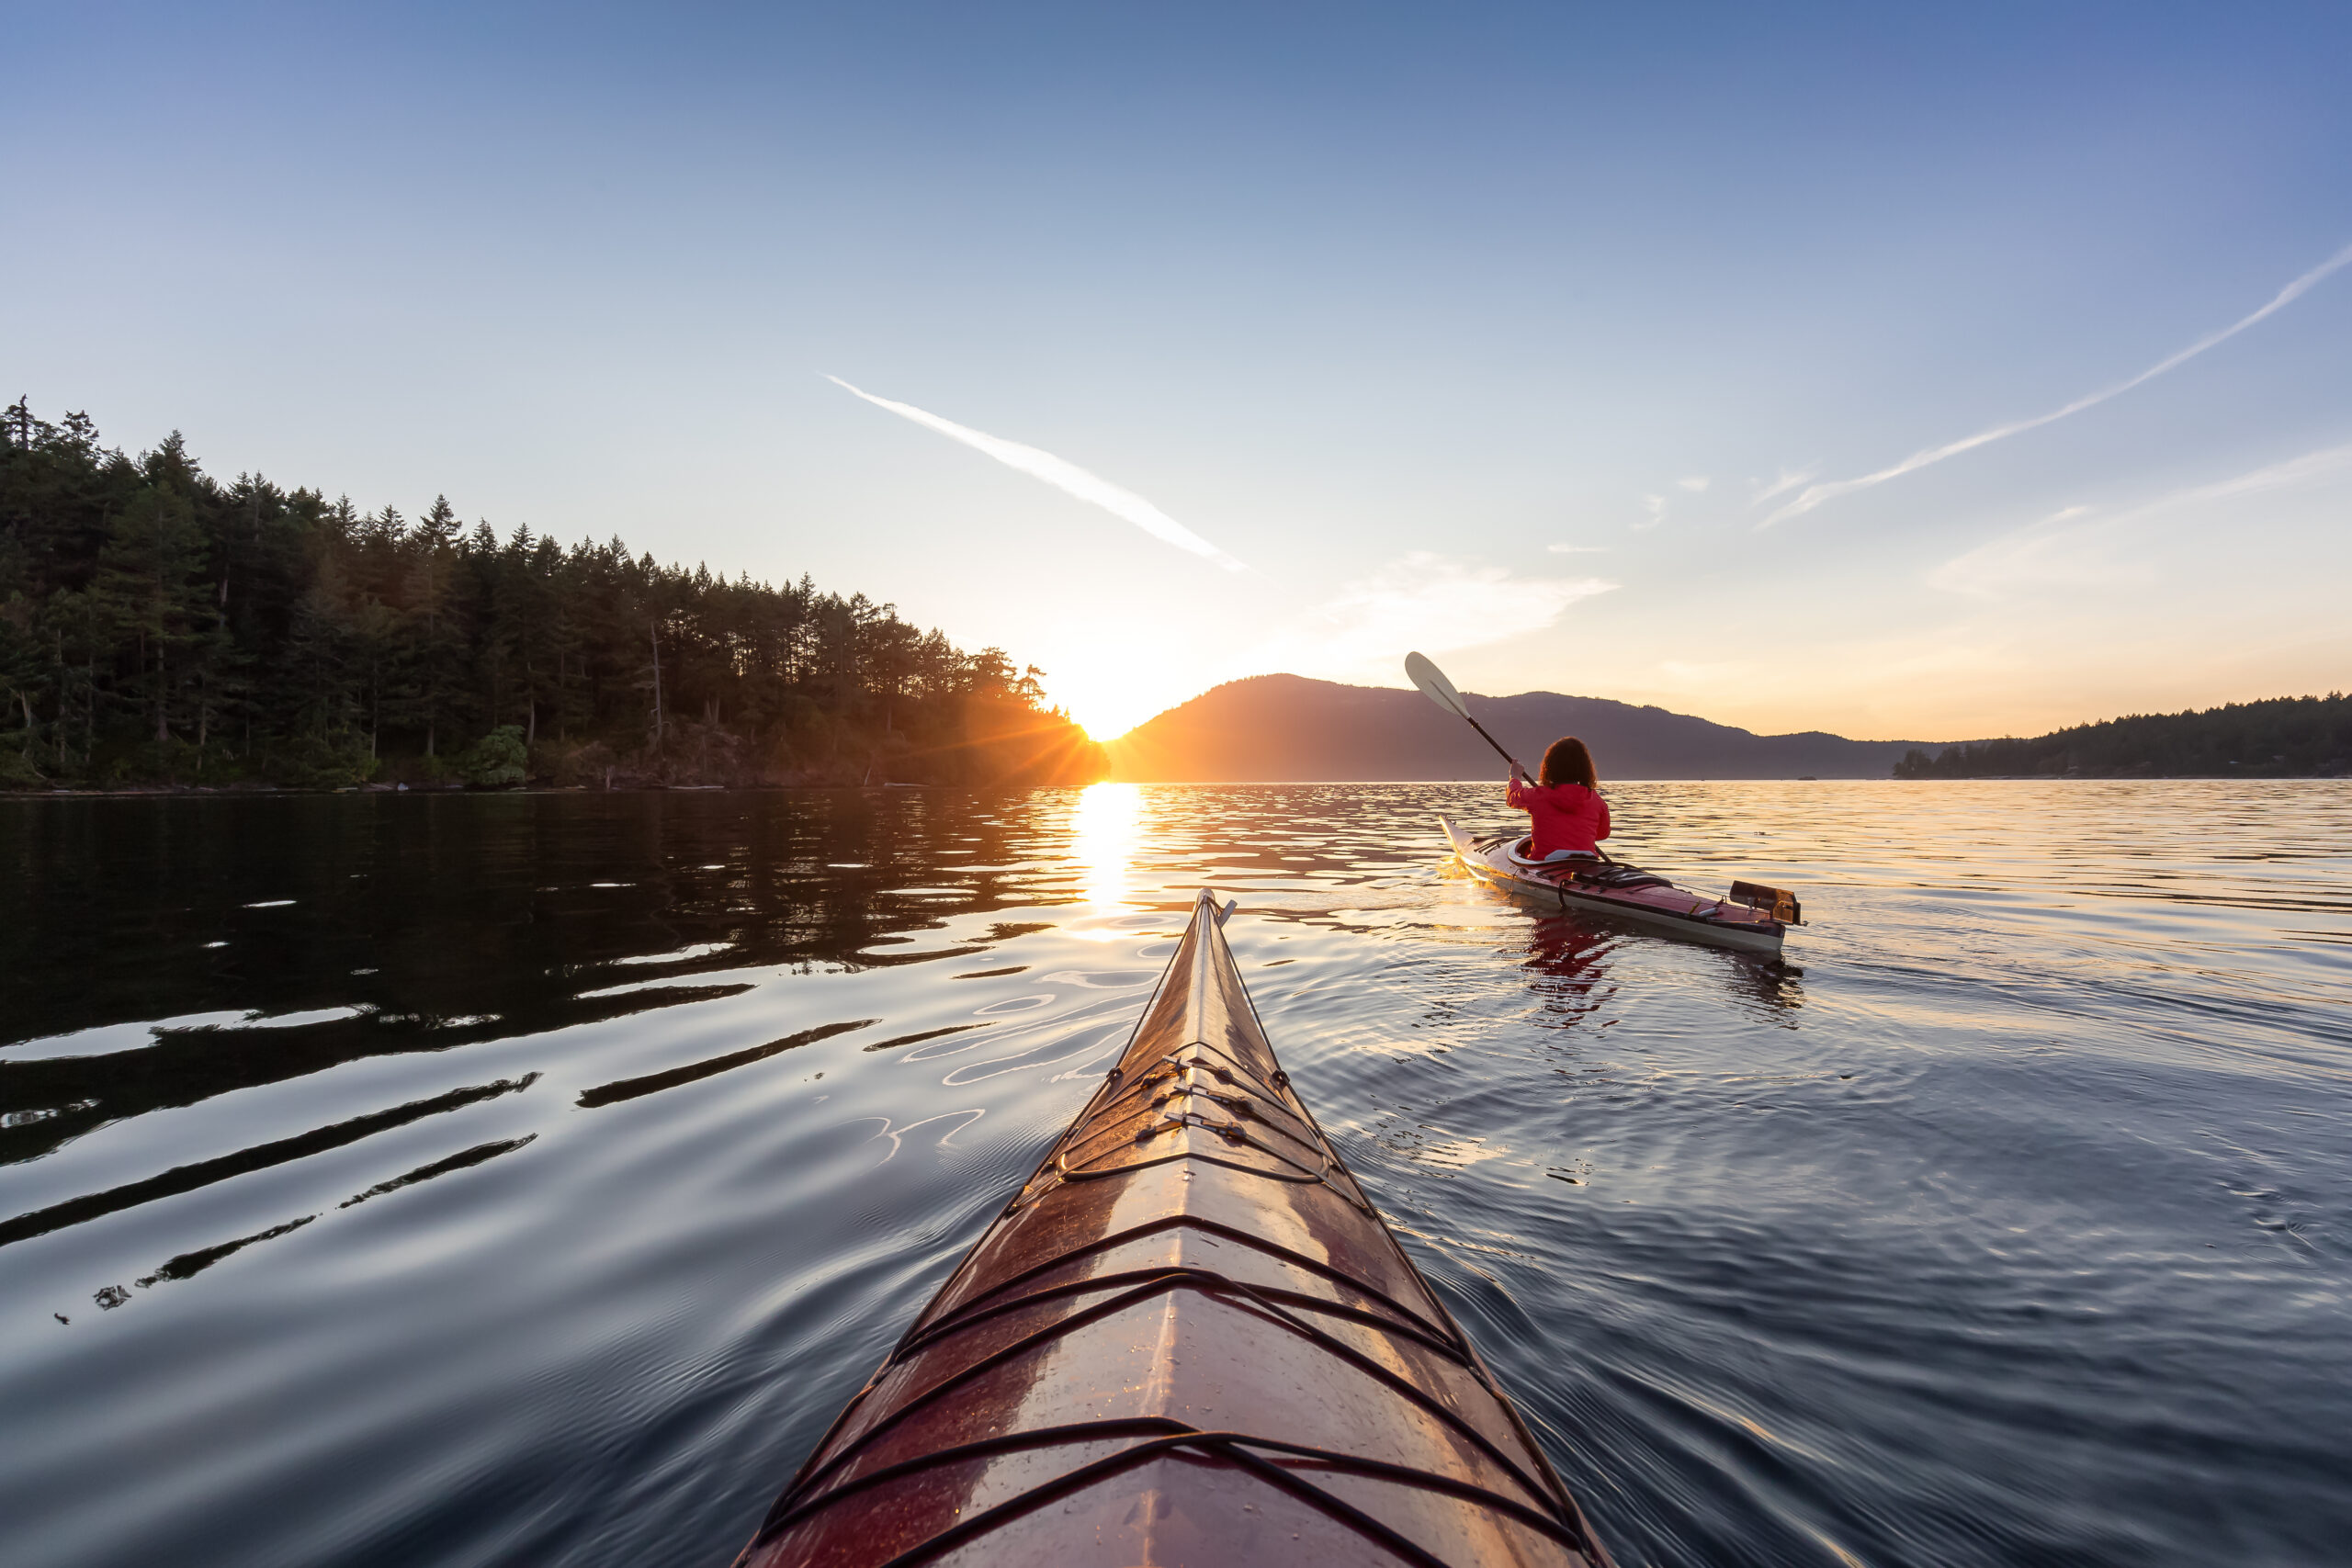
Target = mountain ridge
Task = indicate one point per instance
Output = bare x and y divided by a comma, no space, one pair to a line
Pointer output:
1286,729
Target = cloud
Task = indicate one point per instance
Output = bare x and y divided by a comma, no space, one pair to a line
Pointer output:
1695,483
1790,479
1656,506
1577,549
1816,494
1420,601
2059,551
1061,475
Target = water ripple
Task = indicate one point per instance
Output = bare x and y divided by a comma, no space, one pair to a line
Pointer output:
531,1179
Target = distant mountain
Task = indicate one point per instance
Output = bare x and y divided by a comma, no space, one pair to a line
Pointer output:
1279,729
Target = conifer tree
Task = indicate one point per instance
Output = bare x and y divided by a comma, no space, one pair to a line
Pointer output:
155,624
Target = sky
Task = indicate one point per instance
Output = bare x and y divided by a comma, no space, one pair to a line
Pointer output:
1922,373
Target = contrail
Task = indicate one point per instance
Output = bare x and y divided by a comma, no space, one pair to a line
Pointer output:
1061,476
1816,494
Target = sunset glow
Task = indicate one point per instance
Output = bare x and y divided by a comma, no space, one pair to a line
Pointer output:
2006,421
1715,634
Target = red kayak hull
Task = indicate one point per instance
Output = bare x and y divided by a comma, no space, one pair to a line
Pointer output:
1188,1339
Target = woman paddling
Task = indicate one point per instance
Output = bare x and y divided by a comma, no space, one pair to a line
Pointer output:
1566,809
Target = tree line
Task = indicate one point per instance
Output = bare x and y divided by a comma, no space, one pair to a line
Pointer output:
2282,738
159,626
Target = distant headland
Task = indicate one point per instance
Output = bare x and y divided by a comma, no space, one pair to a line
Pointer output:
2283,738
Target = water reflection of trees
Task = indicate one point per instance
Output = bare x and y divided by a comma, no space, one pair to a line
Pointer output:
430,924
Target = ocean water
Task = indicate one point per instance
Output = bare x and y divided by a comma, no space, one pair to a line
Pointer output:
530,1178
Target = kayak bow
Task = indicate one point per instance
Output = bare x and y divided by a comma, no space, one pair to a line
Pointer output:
1753,919
1189,1338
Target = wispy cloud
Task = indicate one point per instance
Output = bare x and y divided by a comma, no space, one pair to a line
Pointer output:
1695,483
1433,603
1790,479
1655,505
1815,495
2061,550
1062,475
1577,549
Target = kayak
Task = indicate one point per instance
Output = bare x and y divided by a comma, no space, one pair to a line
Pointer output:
1188,1339
1752,918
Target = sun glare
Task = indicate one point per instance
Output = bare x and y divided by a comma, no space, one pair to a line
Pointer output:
1106,705
1103,720
1104,839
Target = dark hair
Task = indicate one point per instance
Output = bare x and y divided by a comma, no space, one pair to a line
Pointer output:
1567,761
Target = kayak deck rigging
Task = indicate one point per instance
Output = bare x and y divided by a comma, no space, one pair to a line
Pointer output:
1189,1338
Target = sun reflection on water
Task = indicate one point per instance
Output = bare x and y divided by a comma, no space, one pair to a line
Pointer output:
1103,840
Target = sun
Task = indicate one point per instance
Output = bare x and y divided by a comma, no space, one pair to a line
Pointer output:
1107,711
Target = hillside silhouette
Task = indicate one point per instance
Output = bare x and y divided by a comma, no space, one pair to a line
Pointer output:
2282,738
1277,728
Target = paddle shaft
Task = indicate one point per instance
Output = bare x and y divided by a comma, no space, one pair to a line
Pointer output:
1492,741
1441,690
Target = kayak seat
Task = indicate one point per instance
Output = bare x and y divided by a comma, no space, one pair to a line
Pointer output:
1593,870
1519,857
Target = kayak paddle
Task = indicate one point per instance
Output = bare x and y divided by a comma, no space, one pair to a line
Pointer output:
1439,690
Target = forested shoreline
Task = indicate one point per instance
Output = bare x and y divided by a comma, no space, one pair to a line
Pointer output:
159,627
2282,738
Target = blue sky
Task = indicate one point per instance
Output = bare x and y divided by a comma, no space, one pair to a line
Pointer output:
1482,330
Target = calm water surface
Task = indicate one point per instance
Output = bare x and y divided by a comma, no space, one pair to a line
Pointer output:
529,1178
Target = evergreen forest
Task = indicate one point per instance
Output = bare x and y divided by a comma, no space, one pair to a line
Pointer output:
2282,738
159,627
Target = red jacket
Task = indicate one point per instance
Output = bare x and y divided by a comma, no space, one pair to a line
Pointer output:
1566,816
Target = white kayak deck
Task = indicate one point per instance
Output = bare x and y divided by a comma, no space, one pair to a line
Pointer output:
1607,887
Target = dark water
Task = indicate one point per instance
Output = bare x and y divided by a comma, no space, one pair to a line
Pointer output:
526,1179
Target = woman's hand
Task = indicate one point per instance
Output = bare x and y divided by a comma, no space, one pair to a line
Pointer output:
1517,774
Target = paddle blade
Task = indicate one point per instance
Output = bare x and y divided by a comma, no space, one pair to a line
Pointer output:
1434,685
